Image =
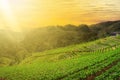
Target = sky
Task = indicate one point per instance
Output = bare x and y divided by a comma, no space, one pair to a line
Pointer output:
19,14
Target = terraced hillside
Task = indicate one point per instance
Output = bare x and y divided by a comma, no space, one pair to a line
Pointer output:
89,61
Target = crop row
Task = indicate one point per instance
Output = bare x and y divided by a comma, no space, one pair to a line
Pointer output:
111,74
92,70
62,69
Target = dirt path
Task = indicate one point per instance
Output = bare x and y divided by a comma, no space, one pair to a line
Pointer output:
93,76
2,78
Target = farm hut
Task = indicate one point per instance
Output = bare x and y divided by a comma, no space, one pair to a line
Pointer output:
115,33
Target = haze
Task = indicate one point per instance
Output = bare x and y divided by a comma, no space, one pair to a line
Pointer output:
21,14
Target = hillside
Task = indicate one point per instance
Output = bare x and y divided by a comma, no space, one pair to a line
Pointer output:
73,50
16,46
76,62
9,46
61,53
52,37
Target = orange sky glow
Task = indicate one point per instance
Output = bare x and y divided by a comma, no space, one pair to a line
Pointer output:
17,14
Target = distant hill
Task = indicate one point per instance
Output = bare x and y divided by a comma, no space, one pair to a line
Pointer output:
59,36
12,35
104,29
14,46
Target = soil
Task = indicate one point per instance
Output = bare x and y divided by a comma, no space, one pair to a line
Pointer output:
93,76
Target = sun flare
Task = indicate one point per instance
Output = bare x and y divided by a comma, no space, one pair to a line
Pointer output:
9,17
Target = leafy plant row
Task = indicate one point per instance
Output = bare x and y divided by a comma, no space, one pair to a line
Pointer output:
111,74
92,70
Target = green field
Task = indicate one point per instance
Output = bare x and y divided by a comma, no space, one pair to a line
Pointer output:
99,60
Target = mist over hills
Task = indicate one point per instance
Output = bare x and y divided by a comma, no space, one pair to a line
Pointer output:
12,35
14,46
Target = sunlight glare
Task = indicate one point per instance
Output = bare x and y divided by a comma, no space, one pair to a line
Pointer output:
10,18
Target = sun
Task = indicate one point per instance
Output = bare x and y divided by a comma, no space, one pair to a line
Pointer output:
9,17
4,4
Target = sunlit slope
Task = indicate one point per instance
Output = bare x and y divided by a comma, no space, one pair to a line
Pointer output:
73,50
75,62
9,46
